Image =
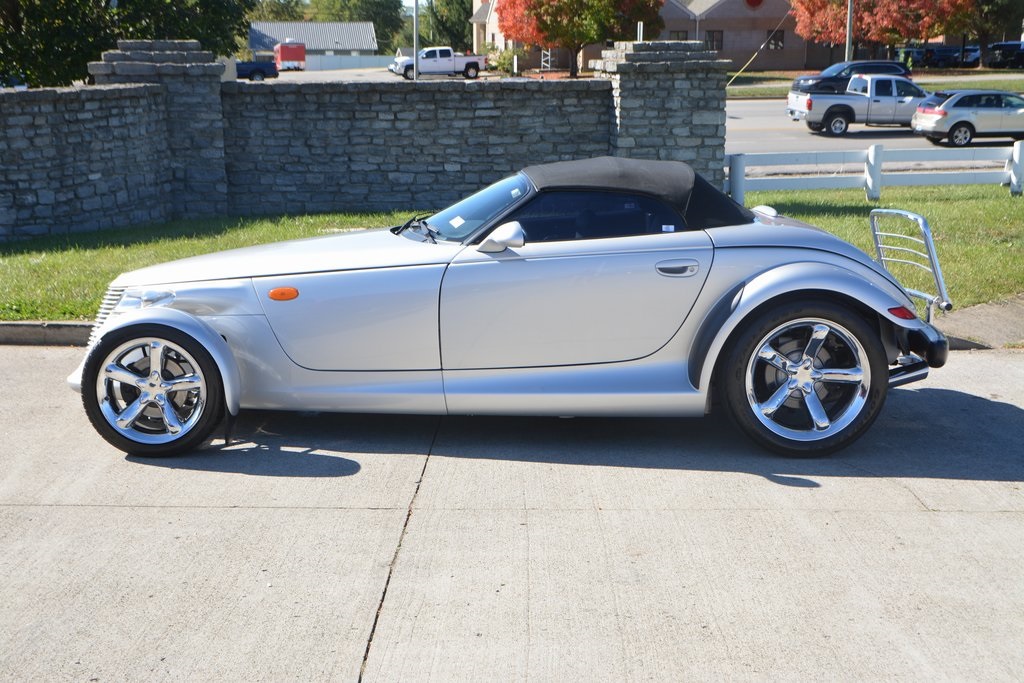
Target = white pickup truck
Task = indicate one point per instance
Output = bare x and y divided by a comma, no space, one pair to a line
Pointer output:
875,100
440,61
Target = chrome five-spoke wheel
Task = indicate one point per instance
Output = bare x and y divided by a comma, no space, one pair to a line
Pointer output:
806,380
152,391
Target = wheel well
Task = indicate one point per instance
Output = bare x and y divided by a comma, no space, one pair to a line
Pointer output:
869,315
838,109
962,123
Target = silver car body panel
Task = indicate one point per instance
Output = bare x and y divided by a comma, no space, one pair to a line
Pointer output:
378,319
573,302
358,250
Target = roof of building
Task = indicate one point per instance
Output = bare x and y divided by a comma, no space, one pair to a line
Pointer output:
480,16
674,182
698,8
317,35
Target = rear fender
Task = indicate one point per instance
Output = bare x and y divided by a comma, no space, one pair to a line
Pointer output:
193,327
821,280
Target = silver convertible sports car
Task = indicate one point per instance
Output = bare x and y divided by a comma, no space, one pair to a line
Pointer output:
600,287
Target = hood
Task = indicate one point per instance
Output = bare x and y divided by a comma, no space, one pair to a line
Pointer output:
343,251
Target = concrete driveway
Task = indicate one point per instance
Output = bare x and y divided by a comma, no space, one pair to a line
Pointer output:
414,548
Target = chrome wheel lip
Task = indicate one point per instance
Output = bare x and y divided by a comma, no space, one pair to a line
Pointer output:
805,377
158,394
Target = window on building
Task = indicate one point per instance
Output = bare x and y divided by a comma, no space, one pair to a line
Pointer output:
678,35
714,40
776,40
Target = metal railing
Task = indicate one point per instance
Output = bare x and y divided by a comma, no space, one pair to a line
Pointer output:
896,246
872,178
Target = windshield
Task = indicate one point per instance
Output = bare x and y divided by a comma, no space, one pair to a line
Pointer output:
835,69
461,220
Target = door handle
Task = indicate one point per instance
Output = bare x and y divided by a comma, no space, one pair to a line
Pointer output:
678,267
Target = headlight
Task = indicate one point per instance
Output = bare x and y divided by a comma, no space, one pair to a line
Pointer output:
137,298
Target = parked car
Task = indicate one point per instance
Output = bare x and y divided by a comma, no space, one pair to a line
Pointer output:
598,287
1006,55
962,115
13,80
440,61
836,77
871,100
256,71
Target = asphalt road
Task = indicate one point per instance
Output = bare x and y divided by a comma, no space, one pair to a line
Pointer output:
463,549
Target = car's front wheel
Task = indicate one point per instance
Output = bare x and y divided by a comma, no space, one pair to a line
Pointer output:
408,74
152,390
805,379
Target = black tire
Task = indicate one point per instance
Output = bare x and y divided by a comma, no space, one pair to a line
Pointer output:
961,134
471,71
408,73
837,123
815,127
804,378
256,76
118,377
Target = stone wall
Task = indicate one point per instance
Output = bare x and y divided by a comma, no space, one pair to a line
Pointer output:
190,78
314,147
669,100
80,159
160,137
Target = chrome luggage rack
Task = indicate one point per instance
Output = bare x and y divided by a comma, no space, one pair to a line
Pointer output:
916,250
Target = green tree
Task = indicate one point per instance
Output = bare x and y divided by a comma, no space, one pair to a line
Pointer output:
990,21
277,10
572,24
214,23
450,21
50,42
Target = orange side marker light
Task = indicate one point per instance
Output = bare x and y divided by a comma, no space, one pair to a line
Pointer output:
283,293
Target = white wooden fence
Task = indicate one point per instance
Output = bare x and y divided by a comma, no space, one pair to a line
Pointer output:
873,177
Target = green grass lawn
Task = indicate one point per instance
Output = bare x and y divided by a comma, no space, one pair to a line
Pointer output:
979,232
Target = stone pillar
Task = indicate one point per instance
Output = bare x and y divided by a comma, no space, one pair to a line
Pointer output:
669,99
190,77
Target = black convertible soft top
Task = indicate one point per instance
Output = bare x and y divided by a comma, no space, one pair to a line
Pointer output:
673,182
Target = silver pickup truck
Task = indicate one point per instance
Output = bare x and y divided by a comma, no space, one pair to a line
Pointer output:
874,100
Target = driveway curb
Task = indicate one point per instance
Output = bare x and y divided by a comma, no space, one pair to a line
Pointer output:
29,333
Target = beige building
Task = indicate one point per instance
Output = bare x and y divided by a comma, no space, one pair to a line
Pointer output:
737,29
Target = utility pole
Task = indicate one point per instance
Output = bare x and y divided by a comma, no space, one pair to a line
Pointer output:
849,30
416,39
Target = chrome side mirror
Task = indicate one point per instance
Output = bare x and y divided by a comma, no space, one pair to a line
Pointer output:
505,236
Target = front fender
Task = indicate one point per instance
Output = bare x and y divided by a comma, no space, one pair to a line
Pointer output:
188,324
856,283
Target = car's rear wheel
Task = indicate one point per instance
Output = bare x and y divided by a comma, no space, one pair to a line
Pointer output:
471,71
805,379
961,135
256,76
837,123
152,390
